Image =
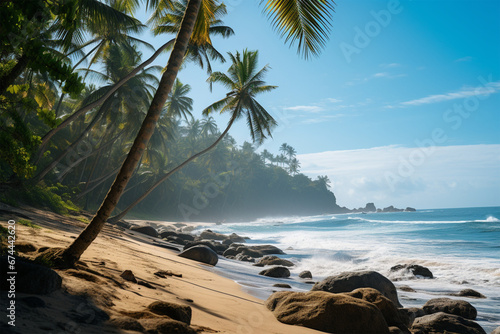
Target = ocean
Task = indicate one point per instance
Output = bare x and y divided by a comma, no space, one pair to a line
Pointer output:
461,247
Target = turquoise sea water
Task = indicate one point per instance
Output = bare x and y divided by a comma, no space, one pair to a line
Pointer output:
460,246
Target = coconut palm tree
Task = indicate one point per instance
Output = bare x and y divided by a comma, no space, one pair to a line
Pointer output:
307,21
294,166
244,81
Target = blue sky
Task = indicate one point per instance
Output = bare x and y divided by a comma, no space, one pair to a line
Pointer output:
393,77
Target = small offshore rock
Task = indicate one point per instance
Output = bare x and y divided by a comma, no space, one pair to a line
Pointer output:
461,308
443,322
282,285
272,260
306,274
278,272
415,269
470,293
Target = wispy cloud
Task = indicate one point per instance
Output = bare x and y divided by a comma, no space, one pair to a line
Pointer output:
391,65
322,118
333,100
468,58
378,75
311,109
491,88
451,176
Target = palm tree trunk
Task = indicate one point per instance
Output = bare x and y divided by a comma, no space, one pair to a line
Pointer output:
76,114
54,163
166,176
71,254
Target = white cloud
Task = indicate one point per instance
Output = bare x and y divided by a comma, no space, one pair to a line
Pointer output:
332,100
391,65
490,88
312,109
444,176
468,58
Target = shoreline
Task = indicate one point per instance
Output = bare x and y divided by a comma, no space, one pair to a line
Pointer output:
218,304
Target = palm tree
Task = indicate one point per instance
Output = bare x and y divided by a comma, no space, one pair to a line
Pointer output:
208,126
266,155
245,82
307,21
294,166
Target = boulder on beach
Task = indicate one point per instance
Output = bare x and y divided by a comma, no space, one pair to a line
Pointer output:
306,274
415,269
30,277
126,323
165,326
244,258
201,253
214,245
145,229
408,315
327,312
451,306
128,275
210,235
445,323
253,251
384,304
282,285
175,311
349,281
470,293
279,272
272,260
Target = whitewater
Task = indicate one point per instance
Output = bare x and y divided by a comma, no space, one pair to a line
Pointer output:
461,247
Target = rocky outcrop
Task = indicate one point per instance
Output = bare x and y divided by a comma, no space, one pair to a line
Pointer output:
272,260
410,209
442,323
279,272
415,269
201,253
451,306
391,209
306,274
30,277
327,312
145,229
210,235
349,281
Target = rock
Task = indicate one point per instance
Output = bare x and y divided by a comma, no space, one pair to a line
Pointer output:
185,236
32,301
282,285
246,258
236,238
253,251
166,273
176,240
127,323
208,234
442,322
406,288
331,313
145,229
280,272
306,274
175,311
451,306
496,330
201,253
165,326
415,269
227,242
349,281
166,234
408,315
128,275
215,246
272,260
410,209
370,207
386,306
470,293
391,209
30,277
25,247
396,330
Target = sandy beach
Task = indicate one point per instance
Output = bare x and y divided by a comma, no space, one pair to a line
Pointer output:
95,286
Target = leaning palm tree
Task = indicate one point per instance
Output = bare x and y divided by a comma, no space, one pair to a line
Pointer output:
307,21
244,82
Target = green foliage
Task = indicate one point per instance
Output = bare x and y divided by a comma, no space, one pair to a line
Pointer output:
43,197
28,223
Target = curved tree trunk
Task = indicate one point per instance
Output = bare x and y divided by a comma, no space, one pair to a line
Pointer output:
166,176
71,254
76,114
39,177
